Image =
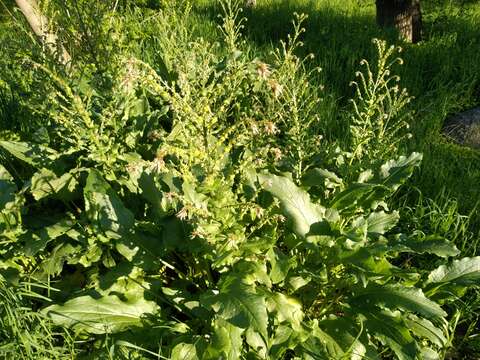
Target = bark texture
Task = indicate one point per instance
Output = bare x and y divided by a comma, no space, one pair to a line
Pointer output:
405,15
39,24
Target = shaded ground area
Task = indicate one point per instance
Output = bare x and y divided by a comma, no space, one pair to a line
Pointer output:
464,128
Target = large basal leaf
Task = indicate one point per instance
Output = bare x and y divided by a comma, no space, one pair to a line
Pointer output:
321,177
295,202
395,172
36,241
184,351
463,272
426,329
240,304
33,154
350,337
430,244
287,310
376,224
227,342
359,196
45,183
379,223
390,330
108,314
104,207
398,297
321,346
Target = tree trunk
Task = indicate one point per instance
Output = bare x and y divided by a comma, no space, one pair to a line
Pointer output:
39,25
405,15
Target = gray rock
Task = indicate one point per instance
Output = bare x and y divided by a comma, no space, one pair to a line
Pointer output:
464,128
251,3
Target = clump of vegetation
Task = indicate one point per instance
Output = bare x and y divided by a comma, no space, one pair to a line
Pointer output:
178,200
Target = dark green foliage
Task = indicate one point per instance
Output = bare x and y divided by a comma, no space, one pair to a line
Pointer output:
185,198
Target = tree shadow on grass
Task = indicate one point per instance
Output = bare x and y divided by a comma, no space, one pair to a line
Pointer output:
340,36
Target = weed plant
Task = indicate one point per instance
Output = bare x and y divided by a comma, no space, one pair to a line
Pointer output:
201,206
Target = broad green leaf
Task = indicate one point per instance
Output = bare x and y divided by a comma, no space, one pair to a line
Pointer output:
295,202
287,310
151,191
280,265
257,344
452,280
321,177
108,314
190,194
389,329
395,172
359,196
227,341
321,346
366,259
430,354
36,241
426,329
33,154
350,337
430,244
64,252
7,188
240,304
184,351
45,183
379,223
398,297
104,207
463,272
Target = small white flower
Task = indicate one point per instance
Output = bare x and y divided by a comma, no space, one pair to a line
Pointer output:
182,214
169,196
263,70
259,211
271,128
134,169
157,165
255,130
277,89
277,154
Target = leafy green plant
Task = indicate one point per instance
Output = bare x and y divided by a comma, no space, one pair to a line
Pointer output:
194,215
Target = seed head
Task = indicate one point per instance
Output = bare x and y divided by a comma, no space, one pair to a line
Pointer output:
263,70
182,214
277,89
271,128
277,153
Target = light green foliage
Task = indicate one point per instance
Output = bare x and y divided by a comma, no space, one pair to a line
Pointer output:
108,314
197,214
379,115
